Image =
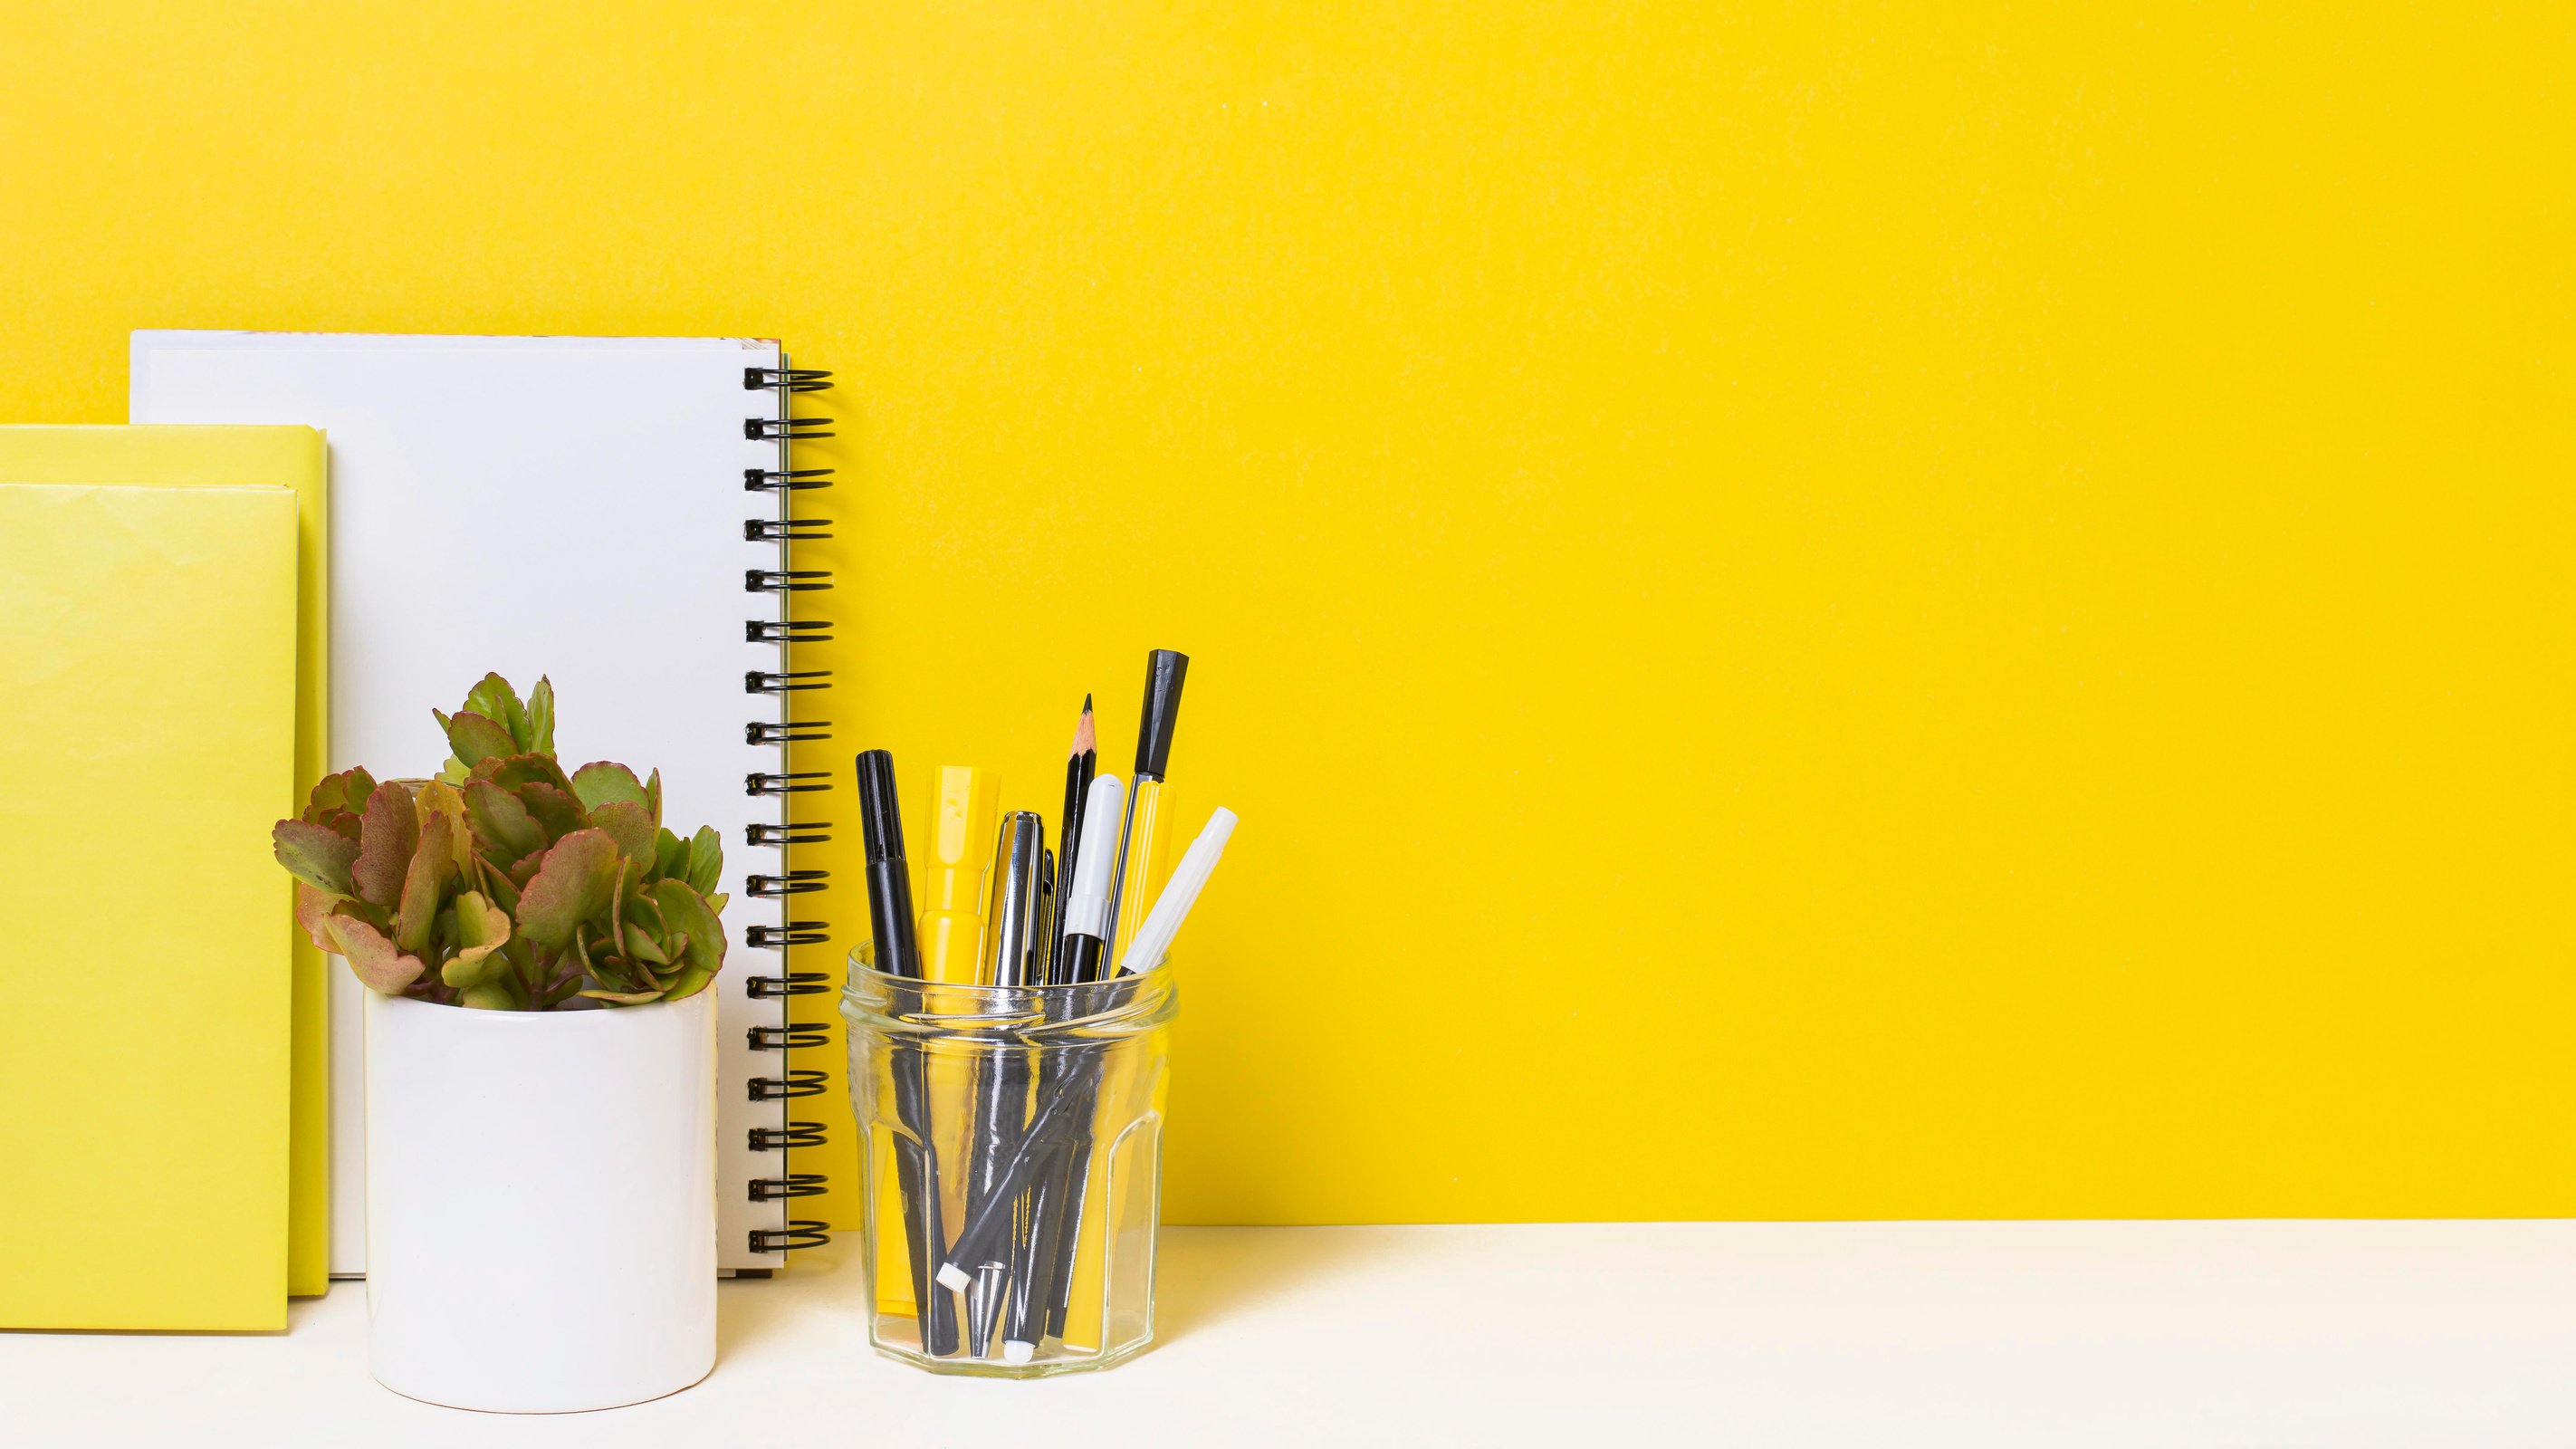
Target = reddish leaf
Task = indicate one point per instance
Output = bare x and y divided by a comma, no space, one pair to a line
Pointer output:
426,881
516,770
573,884
555,811
476,738
373,957
628,825
500,822
388,833
311,906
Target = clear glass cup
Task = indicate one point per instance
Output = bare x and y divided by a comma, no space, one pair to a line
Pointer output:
1018,1130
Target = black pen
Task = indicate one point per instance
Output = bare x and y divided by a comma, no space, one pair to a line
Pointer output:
1166,670
1001,1075
1079,765
1055,1198
898,953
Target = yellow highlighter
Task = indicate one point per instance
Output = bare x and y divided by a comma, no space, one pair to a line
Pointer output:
962,819
1131,887
964,805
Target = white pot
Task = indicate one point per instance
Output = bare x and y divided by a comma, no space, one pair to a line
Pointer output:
541,1209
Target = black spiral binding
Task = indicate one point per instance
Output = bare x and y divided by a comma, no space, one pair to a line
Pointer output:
799,1082
785,685
790,933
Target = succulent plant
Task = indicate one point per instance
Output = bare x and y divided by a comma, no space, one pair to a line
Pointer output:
506,883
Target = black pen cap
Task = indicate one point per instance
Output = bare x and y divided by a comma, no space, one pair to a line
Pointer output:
880,818
1165,669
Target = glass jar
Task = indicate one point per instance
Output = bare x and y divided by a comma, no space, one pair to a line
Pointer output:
1011,1154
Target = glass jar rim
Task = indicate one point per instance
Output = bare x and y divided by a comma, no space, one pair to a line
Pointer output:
1085,1011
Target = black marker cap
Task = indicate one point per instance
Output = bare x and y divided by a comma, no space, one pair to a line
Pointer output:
1164,671
880,818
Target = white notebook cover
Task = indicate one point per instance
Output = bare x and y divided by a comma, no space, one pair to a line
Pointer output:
565,506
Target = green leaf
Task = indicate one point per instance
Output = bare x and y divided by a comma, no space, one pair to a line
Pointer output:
476,738
628,825
641,945
497,886
640,906
388,833
493,698
624,998
494,995
472,968
316,855
425,882
653,796
601,781
573,884
440,797
685,910
500,822
541,717
480,925
374,958
670,853
706,860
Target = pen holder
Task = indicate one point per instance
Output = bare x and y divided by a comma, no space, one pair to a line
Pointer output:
1011,1147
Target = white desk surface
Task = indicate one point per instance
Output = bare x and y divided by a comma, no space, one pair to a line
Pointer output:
2096,1335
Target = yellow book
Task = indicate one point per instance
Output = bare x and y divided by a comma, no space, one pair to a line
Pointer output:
293,456
149,663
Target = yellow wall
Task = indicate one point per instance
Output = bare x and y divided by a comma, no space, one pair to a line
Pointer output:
1811,610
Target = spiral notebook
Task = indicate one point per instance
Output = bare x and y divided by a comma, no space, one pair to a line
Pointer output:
612,513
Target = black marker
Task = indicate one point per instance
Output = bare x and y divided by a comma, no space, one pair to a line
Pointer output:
898,953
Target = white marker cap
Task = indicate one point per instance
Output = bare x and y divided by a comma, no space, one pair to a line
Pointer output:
1086,908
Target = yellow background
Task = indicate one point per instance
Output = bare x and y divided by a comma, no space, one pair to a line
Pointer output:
1811,610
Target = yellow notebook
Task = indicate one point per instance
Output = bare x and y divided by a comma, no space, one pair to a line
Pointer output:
149,742
292,456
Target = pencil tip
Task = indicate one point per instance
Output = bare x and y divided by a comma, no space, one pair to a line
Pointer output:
1084,740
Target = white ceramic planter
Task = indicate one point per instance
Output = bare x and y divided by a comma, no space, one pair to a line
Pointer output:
541,1213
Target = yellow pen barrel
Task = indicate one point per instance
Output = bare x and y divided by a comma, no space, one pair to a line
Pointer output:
964,808
1144,866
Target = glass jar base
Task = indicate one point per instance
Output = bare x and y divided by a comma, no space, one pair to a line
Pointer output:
1056,1362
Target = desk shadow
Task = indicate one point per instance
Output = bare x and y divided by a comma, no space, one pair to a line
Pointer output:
754,1311
1204,1276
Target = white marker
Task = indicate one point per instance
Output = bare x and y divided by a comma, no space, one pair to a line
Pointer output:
1154,938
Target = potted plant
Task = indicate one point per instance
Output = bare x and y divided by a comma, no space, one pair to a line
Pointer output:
540,1064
